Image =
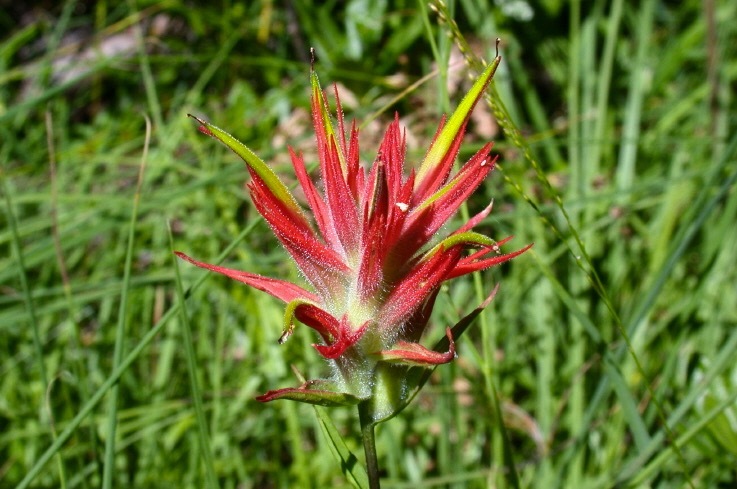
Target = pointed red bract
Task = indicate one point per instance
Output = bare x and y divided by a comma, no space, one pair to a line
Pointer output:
316,203
320,392
280,289
416,354
470,264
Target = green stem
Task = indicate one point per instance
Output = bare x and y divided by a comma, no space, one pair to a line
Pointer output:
369,444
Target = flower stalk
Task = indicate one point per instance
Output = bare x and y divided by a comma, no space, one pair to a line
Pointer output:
367,423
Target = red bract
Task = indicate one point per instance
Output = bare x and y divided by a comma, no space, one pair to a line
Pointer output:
370,249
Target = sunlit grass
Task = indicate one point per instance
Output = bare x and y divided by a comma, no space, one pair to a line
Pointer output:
627,111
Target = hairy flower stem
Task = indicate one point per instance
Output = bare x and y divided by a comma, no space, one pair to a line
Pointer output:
369,443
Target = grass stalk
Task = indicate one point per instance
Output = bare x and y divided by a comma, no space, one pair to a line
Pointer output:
112,415
204,438
115,375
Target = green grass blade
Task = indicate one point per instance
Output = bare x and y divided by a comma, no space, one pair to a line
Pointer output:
109,464
204,437
673,450
115,375
31,311
724,360
27,295
148,79
349,463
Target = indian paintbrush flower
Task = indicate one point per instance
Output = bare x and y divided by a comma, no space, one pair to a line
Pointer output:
369,248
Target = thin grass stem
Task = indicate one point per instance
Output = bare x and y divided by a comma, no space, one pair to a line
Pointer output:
115,375
204,437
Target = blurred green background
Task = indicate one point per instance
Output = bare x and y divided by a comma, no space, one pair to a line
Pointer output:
611,345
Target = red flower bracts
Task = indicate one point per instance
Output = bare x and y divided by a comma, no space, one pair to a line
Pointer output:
367,244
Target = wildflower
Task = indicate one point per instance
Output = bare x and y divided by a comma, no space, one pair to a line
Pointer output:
369,249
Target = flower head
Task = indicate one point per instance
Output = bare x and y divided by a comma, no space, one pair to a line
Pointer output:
368,245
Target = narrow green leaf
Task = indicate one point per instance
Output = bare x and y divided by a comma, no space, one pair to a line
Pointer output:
202,432
112,421
115,375
349,464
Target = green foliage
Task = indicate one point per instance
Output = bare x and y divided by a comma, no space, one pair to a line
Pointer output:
609,348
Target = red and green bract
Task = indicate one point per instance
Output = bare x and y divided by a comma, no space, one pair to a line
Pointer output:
369,248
